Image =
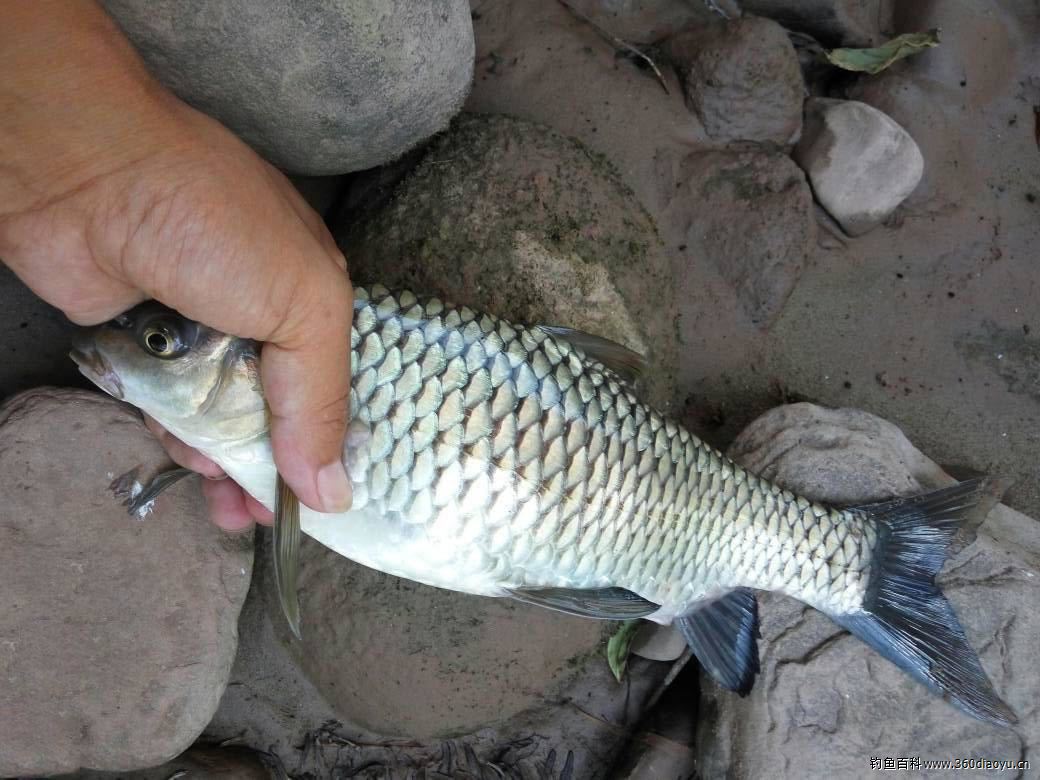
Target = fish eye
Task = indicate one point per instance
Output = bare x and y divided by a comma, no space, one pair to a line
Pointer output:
163,340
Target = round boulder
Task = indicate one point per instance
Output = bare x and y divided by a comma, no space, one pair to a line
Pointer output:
117,634
317,87
515,219
402,659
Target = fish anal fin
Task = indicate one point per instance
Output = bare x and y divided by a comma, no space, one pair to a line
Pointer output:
627,364
723,634
601,603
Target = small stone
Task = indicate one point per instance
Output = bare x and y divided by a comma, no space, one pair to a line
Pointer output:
655,642
117,634
832,22
742,78
751,214
330,88
860,162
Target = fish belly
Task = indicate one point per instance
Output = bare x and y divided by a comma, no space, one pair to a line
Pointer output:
485,456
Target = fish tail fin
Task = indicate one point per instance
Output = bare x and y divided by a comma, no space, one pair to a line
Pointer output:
905,616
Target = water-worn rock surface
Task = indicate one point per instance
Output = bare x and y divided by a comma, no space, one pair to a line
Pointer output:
762,253
317,88
742,79
860,162
824,703
511,217
117,634
472,662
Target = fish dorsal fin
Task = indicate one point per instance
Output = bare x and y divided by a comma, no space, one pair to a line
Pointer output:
603,603
723,634
628,365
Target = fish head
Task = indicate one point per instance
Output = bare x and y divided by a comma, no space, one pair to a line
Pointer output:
201,384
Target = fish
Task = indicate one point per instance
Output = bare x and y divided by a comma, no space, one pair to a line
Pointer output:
517,461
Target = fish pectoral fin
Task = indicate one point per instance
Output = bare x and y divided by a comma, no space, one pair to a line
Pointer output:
723,634
601,603
135,496
286,552
627,364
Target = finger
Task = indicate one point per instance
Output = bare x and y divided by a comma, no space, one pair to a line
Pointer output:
310,218
182,454
259,512
306,377
227,505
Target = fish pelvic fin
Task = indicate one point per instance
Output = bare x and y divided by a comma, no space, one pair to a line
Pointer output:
723,634
905,616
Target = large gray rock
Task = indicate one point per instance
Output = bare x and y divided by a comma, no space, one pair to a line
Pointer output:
742,79
425,662
825,703
319,87
116,634
513,218
750,213
833,22
860,162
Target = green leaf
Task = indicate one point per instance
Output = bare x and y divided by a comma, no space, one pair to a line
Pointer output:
618,647
877,59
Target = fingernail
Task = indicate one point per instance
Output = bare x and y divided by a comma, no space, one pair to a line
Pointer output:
334,487
216,478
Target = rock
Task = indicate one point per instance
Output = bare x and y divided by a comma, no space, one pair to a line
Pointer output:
860,162
833,22
934,96
835,455
515,219
742,78
753,219
658,643
473,662
330,88
116,634
825,703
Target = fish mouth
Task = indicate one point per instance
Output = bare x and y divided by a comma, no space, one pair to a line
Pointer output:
95,368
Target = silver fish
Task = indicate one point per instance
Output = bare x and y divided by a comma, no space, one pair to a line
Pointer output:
510,461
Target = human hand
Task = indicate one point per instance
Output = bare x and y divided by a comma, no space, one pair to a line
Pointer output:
114,191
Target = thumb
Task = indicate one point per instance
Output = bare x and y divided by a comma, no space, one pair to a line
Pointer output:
305,370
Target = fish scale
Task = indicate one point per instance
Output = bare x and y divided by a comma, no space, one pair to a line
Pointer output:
505,460
563,468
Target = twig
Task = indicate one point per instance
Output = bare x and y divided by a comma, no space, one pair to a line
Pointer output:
617,42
